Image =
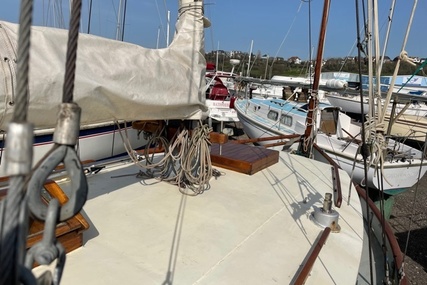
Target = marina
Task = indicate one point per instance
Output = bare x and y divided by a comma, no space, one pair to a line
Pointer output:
198,184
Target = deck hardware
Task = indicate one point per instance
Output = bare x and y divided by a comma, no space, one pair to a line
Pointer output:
326,216
68,124
79,187
49,249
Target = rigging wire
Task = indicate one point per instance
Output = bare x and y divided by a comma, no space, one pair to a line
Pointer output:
390,19
20,135
402,56
207,12
162,27
375,124
284,38
363,135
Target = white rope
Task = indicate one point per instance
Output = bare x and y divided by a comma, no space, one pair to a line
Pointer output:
376,127
403,55
185,163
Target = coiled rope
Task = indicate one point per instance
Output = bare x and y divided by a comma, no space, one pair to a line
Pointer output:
186,161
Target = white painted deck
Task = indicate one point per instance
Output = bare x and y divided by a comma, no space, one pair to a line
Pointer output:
244,230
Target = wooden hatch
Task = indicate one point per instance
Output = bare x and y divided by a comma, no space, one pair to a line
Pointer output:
242,158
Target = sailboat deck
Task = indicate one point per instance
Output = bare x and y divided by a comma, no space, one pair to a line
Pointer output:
246,229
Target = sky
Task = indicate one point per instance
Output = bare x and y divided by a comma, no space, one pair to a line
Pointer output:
269,27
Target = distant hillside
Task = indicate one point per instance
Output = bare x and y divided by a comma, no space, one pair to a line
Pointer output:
264,67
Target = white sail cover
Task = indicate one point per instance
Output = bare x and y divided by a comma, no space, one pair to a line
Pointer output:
114,80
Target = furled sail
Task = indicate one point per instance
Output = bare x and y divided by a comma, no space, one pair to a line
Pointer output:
114,80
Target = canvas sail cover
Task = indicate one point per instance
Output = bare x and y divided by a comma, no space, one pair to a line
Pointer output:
114,80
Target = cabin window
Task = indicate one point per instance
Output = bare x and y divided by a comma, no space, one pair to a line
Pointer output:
304,107
273,115
286,120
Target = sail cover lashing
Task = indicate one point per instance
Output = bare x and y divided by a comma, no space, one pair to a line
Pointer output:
114,80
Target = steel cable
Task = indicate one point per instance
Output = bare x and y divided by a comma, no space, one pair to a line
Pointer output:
70,68
10,230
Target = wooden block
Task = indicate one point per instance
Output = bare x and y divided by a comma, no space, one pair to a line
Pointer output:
243,158
149,126
215,137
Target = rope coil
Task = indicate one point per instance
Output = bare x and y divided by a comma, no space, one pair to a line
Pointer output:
186,161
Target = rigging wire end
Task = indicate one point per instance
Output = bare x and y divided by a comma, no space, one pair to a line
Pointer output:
79,187
68,124
19,149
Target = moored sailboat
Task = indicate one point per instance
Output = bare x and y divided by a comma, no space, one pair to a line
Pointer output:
393,166
336,135
143,229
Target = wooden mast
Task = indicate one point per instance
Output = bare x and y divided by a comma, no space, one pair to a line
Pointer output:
309,134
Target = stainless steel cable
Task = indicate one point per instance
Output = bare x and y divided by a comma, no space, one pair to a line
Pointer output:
70,66
25,20
11,227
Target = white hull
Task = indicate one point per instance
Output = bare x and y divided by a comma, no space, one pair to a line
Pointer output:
351,104
411,124
398,174
220,111
97,143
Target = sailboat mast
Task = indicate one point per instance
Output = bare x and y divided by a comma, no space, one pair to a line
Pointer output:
124,20
250,56
320,47
308,134
119,21
158,37
90,17
168,27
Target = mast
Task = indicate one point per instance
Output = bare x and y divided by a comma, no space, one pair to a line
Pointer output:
309,134
217,57
168,28
124,20
158,37
90,17
119,21
250,56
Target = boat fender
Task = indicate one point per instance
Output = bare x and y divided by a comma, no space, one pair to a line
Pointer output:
336,84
